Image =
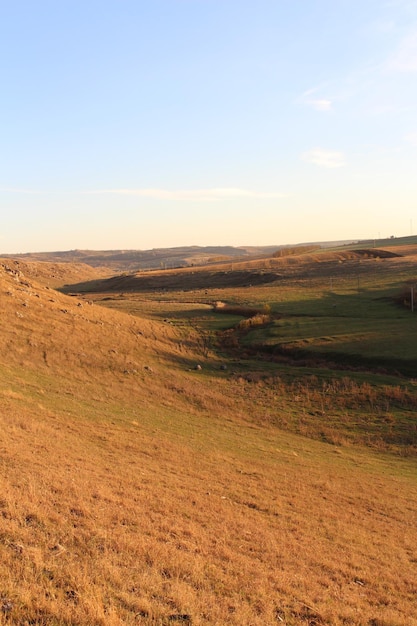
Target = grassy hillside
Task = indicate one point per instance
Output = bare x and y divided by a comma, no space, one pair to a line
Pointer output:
54,274
136,489
335,267
330,328
133,260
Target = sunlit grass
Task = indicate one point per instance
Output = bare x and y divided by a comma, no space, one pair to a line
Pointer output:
143,515
136,489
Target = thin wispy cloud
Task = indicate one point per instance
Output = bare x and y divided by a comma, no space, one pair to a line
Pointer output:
324,158
404,59
405,5
309,98
321,105
201,195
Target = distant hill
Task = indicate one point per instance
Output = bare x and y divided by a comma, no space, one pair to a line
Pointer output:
239,272
120,261
157,258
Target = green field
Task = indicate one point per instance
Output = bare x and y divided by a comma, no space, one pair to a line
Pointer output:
336,349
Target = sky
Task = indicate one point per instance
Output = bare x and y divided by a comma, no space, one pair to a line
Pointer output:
140,124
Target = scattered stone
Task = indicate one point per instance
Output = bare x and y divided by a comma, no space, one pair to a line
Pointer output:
223,368
17,547
72,596
58,549
32,520
6,605
198,367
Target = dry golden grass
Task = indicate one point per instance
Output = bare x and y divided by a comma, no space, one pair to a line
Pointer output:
134,490
56,274
111,523
339,267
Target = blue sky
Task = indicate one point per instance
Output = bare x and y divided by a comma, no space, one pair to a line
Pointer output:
138,124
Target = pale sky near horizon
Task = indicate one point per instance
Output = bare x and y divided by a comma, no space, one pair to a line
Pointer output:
133,124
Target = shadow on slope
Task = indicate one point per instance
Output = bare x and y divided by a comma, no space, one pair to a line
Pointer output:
245,273
174,281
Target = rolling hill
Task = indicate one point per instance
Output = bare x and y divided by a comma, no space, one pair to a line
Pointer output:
133,260
136,488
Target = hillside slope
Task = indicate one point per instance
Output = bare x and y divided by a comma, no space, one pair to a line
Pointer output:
247,272
42,329
132,260
137,490
54,274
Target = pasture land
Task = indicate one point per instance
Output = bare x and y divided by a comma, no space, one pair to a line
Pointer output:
332,330
136,489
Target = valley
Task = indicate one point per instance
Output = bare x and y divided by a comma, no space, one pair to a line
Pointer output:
222,444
